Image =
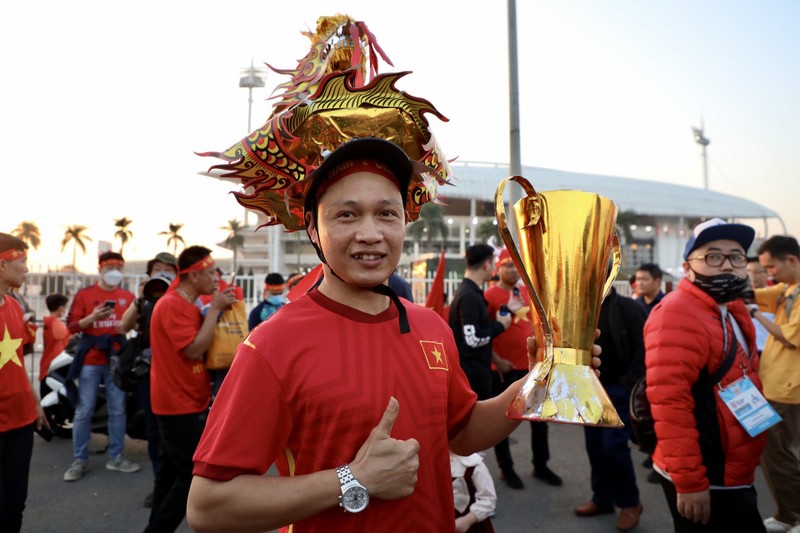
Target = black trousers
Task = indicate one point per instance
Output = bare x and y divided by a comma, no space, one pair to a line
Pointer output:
180,435
539,447
731,510
16,449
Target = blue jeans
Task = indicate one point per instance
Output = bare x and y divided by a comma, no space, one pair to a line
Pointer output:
88,384
613,477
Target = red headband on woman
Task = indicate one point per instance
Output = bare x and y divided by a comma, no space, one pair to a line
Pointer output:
12,254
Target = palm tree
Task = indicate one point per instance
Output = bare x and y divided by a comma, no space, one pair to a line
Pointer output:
430,222
488,229
235,237
624,221
123,233
77,236
173,237
29,233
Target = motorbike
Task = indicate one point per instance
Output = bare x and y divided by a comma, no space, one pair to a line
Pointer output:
60,412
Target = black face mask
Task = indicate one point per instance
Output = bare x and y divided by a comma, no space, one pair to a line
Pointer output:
723,288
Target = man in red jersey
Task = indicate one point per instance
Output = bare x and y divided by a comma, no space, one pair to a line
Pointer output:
355,397
179,385
96,312
511,362
20,410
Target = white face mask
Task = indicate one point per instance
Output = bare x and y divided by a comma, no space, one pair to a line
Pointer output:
112,277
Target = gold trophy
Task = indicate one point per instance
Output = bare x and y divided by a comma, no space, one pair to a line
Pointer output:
567,239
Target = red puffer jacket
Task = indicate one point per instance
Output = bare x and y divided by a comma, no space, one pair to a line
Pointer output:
700,442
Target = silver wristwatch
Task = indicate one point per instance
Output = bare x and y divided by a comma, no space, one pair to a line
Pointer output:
355,497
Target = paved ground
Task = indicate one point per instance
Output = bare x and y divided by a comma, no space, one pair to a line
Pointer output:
105,501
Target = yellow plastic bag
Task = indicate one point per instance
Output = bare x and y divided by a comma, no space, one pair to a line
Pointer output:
230,331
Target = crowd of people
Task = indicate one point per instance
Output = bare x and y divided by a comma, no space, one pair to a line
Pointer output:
387,410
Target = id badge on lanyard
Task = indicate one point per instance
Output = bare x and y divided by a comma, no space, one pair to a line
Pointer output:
749,406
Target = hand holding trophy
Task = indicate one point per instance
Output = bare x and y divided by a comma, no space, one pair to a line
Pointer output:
566,241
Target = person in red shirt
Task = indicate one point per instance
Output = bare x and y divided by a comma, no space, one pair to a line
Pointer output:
355,397
180,390
95,313
20,409
511,363
55,333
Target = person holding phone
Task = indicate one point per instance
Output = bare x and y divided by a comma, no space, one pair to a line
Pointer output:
180,389
96,313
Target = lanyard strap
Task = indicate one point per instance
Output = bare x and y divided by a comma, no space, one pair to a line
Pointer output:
730,351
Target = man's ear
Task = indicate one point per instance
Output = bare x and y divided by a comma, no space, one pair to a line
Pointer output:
311,229
687,270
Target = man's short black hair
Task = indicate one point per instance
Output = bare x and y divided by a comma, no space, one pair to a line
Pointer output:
108,256
780,247
10,242
477,254
274,278
54,301
651,268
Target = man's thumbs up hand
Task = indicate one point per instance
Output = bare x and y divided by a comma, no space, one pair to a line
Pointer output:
386,466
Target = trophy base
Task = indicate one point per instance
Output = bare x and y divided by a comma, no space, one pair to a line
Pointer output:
569,394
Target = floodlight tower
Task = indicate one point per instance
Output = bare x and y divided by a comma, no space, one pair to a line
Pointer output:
252,78
703,141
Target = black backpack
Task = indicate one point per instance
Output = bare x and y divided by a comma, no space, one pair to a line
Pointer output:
643,430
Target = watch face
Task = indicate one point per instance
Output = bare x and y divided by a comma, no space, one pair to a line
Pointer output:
355,499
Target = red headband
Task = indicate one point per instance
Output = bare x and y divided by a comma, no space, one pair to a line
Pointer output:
356,165
111,262
200,265
280,286
503,259
12,254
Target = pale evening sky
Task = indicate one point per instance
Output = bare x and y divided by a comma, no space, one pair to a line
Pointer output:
105,103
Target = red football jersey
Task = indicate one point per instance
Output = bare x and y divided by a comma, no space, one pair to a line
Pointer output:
178,385
56,337
511,344
83,304
308,386
17,408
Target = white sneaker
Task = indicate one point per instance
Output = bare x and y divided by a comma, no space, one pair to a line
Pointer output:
776,526
120,464
76,470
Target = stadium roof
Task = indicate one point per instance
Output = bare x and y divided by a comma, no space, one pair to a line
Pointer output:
479,181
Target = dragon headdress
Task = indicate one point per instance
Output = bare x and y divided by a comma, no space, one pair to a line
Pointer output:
326,103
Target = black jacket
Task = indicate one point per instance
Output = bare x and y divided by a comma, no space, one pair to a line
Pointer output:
472,328
621,325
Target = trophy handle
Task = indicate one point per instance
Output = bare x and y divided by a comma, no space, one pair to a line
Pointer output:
544,370
615,267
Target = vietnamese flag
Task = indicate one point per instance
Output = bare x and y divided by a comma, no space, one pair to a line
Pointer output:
436,295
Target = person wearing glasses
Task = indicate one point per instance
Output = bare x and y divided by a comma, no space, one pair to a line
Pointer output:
700,347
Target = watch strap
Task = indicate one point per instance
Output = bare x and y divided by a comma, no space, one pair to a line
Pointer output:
345,475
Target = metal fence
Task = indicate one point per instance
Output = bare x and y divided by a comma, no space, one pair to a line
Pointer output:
40,284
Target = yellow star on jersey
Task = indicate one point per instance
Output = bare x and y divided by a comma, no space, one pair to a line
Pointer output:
8,350
521,314
438,355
